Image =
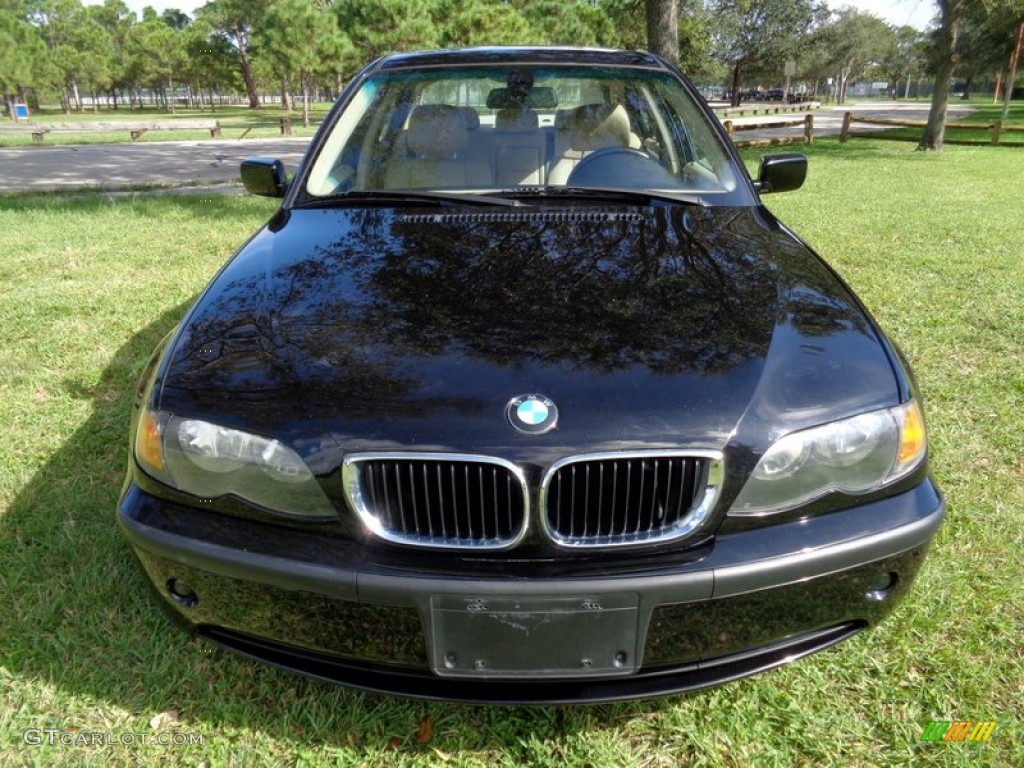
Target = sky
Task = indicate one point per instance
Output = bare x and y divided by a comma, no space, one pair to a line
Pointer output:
915,13
912,13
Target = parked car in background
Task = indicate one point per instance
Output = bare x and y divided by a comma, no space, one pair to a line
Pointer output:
523,395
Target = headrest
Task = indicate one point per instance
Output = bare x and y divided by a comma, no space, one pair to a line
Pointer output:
516,120
472,118
436,131
541,97
594,126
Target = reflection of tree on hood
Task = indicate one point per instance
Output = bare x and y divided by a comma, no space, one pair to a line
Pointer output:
668,289
595,291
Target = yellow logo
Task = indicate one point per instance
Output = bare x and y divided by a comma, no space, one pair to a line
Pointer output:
958,730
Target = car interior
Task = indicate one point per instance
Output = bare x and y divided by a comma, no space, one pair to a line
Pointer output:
458,136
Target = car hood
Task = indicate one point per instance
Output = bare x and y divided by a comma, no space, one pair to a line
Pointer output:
650,327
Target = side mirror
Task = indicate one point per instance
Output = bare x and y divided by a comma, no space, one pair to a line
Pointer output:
264,176
781,173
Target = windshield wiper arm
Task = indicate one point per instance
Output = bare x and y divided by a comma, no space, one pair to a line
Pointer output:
383,196
606,193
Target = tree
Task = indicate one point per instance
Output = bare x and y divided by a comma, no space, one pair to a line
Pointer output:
854,40
751,35
481,22
57,21
567,23
236,20
988,40
630,21
663,29
904,58
85,60
211,63
944,58
1011,75
377,27
695,57
23,59
156,55
301,41
117,21
953,16
175,19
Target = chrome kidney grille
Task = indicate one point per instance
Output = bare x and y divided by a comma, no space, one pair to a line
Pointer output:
616,499
482,502
438,500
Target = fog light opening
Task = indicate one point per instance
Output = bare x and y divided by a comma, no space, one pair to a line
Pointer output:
881,588
182,593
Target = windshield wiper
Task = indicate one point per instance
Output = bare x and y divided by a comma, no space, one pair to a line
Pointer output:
606,193
399,196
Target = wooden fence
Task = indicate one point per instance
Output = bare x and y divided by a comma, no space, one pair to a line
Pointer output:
806,136
997,129
764,109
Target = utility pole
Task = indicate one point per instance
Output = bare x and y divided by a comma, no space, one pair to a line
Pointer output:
1011,76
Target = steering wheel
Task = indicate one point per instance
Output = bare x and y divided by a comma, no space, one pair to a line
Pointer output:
620,167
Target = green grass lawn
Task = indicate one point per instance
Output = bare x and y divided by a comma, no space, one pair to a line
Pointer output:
933,244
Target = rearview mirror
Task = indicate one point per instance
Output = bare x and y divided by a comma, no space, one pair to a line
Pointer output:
781,173
264,176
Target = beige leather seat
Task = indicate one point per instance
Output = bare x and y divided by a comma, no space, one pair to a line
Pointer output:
519,147
432,153
585,129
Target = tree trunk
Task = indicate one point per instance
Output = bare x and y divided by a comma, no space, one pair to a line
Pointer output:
305,101
287,97
245,66
250,81
945,50
734,97
843,83
663,29
1011,75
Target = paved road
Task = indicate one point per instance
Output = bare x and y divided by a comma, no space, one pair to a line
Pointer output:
203,162
154,162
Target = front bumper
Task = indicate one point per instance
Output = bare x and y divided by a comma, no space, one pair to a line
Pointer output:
760,599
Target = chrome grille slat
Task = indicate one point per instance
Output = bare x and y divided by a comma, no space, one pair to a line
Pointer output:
438,500
616,499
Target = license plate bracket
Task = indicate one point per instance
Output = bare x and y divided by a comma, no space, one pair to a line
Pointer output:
534,637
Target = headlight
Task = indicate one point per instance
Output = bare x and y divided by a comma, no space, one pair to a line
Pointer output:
854,456
208,460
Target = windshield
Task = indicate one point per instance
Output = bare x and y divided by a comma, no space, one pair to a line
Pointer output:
522,128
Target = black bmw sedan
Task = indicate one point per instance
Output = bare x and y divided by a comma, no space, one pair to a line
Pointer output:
522,395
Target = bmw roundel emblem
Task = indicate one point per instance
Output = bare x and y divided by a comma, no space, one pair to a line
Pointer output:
532,414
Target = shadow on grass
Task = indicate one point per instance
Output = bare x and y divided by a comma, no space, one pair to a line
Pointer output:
82,625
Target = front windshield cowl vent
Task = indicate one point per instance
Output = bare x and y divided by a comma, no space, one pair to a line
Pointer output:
521,217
